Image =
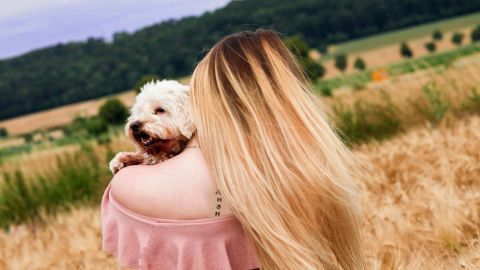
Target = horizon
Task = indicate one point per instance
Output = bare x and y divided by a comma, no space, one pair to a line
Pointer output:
28,26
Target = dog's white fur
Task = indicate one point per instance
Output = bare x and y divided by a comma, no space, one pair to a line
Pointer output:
171,128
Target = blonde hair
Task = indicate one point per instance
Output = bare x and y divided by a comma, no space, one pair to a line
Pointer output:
274,156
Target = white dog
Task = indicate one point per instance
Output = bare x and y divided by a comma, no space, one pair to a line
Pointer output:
160,124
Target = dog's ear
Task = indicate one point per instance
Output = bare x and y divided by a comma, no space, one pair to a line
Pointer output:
188,129
185,120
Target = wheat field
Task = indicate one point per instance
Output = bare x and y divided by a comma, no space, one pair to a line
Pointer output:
421,205
61,115
421,194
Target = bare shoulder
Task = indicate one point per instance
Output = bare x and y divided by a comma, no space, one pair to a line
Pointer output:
179,188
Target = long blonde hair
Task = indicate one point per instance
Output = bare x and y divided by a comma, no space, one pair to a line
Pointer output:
274,156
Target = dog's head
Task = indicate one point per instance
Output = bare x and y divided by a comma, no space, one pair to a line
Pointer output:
160,120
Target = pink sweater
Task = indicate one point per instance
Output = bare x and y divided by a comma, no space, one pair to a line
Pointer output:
138,241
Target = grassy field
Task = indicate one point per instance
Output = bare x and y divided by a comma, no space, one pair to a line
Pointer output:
418,182
415,32
421,199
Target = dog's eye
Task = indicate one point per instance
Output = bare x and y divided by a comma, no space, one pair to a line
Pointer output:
159,110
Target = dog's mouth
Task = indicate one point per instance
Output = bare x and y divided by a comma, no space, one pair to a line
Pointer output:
146,140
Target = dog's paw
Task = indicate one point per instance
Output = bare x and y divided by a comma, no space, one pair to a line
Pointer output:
124,159
116,163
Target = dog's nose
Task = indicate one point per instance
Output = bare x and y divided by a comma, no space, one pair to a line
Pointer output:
135,126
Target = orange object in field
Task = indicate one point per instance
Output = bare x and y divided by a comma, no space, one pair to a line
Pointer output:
379,75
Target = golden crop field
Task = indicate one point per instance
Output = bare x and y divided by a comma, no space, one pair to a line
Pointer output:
421,194
421,203
61,115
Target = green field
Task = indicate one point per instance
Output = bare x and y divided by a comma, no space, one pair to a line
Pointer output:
396,69
395,37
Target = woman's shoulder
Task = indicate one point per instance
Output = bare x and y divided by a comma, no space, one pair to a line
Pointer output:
179,188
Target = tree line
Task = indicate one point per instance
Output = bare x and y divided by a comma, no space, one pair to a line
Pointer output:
76,71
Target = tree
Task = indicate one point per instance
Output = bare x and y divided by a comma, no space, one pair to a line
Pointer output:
95,125
28,137
326,91
299,47
437,35
145,79
476,34
457,38
341,62
313,69
323,48
430,46
360,64
3,132
113,111
405,50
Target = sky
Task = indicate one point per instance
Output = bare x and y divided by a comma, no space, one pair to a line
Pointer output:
32,24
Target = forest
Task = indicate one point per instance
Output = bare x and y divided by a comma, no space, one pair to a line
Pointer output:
71,72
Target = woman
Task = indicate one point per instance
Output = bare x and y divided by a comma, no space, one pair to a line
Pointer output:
265,143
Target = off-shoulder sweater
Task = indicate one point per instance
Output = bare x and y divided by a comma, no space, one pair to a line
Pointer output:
142,242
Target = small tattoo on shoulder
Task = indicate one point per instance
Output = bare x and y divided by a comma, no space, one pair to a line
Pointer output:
219,203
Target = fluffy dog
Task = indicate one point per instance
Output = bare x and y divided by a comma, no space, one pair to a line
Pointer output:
160,124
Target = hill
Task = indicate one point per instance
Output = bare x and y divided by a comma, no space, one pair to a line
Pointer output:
77,71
